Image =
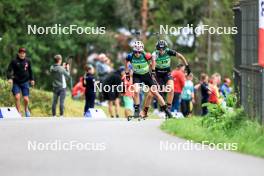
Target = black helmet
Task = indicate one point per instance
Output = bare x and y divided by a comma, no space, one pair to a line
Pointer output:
161,44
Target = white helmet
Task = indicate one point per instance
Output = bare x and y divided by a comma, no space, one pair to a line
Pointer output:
138,46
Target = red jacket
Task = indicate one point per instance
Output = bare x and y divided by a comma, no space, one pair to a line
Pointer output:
179,80
214,94
78,88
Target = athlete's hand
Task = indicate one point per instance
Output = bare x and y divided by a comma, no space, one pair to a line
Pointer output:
32,82
127,76
188,69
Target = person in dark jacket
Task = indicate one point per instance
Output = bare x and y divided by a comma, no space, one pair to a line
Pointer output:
204,85
113,80
59,75
89,84
20,75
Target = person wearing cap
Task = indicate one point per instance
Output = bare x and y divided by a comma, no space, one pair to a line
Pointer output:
59,74
20,76
90,92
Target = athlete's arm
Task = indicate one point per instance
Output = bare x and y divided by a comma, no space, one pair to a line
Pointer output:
153,61
179,55
182,58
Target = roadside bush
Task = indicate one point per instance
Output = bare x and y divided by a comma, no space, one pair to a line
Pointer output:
39,100
223,118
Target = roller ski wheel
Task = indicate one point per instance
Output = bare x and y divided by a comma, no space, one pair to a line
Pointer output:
129,118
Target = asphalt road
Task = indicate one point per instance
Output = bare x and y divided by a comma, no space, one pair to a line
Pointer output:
109,147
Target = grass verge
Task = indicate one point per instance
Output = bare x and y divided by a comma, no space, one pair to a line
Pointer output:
248,135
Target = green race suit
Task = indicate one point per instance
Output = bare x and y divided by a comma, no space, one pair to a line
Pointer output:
140,65
164,61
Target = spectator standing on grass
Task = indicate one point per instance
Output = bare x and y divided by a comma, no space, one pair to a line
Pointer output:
102,70
178,76
128,93
204,86
225,88
59,74
20,75
187,96
214,94
113,80
90,92
78,89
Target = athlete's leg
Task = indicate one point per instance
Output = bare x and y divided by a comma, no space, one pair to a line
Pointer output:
170,93
161,101
147,103
136,98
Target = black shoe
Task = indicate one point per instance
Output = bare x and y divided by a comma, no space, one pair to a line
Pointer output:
136,114
168,114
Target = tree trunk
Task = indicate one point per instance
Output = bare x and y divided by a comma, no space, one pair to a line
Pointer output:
144,18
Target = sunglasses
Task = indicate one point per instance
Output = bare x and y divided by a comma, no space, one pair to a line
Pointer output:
137,52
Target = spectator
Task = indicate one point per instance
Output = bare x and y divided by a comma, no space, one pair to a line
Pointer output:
101,67
78,90
204,80
225,89
89,84
214,95
128,94
59,74
187,96
178,76
112,96
102,70
204,85
19,74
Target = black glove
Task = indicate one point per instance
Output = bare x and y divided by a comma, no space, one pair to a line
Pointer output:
127,76
188,69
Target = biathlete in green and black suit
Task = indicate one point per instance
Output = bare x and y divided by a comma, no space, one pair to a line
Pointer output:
141,62
162,71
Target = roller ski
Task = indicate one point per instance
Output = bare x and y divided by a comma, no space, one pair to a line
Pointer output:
168,114
136,116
